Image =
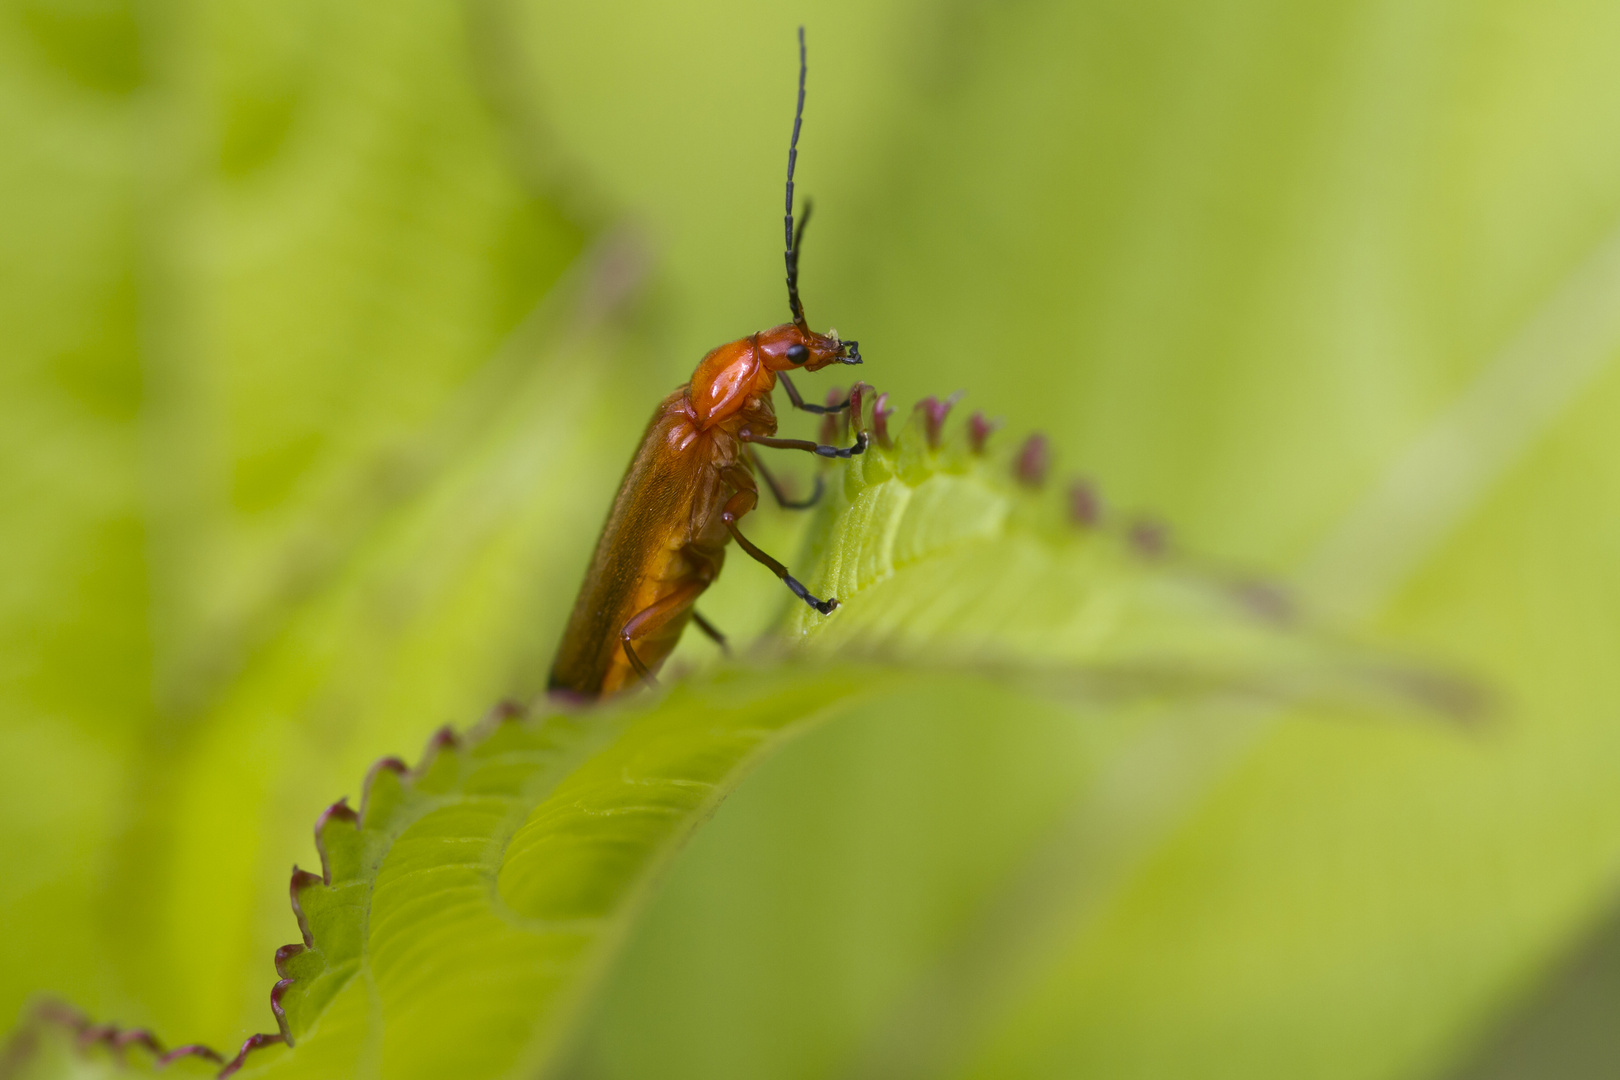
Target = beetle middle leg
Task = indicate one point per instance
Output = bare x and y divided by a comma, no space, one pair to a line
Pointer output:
799,403
710,631
776,488
744,500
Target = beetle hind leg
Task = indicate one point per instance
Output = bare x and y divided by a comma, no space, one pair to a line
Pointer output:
654,617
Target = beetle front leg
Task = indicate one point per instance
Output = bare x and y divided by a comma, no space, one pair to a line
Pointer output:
819,449
856,421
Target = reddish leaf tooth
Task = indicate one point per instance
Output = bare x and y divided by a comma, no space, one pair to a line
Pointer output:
1150,538
277,1009
881,411
378,767
340,811
1085,506
506,710
1033,461
284,954
1267,600
934,413
441,740
980,429
301,880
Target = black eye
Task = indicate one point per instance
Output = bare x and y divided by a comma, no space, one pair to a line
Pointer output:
797,354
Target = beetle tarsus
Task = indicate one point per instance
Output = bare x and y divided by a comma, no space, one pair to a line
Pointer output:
826,607
843,451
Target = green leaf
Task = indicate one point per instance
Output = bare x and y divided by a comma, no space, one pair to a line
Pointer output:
954,552
459,920
464,914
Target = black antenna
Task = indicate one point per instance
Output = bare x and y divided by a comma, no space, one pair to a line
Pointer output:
791,237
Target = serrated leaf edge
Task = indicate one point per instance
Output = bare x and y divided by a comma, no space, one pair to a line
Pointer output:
89,1035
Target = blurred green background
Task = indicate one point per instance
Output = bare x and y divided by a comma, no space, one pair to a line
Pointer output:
328,328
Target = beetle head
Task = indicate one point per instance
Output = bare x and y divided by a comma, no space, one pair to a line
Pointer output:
790,348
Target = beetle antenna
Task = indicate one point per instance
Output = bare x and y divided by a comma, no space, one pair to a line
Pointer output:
790,236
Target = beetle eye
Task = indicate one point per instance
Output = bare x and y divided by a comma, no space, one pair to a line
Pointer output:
797,354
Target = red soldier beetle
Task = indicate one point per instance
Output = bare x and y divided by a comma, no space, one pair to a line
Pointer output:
690,483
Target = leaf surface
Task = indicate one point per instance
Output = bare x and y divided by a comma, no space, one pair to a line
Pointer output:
463,916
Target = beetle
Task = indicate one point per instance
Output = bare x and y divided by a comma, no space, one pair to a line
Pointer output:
689,484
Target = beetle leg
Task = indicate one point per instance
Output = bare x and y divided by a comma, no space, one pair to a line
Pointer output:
856,421
776,489
813,447
654,617
745,499
798,402
711,632
635,662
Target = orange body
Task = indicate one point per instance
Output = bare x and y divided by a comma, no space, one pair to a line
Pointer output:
665,537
